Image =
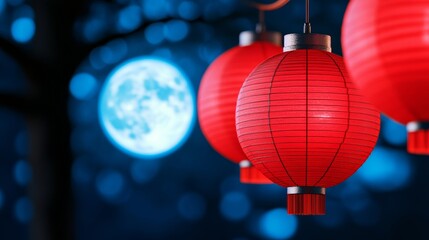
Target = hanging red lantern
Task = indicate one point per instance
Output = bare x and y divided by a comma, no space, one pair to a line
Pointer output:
218,93
301,121
386,49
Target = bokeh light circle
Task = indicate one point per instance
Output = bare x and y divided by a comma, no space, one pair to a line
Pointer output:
147,107
277,224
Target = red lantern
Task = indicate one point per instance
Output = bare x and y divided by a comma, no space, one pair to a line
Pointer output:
301,121
386,49
218,95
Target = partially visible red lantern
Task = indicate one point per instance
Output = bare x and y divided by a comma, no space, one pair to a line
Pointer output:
386,49
301,121
218,93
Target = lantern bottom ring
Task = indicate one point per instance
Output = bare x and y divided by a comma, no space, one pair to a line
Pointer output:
306,190
417,126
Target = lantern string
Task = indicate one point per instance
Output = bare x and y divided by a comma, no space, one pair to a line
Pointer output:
267,7
307,25
263,8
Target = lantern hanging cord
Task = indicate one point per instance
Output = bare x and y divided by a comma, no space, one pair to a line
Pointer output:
263,8
307,25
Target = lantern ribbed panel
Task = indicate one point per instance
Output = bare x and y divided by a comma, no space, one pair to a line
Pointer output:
302,122
218,93
386,49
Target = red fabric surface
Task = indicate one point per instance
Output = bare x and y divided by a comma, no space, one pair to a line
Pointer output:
252,175
301,121
218,93
386,49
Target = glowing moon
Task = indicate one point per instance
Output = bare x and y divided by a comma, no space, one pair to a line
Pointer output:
147,108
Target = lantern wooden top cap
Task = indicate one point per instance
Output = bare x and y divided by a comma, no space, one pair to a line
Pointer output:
295,41
249,37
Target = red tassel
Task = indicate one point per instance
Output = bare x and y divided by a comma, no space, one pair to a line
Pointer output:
306,204
418,142
251,175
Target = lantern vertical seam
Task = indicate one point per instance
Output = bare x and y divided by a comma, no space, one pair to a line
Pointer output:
306,117
269,119
348,119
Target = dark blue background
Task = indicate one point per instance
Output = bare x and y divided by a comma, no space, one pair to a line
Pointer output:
194,193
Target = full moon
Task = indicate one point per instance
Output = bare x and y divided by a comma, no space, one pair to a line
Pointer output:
147,108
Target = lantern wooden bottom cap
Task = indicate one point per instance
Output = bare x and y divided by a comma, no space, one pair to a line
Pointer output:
250,175
306,201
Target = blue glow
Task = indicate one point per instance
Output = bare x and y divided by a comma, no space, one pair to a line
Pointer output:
231,184
23,210
21,143
1,198
176,30
129,18
235,206
147,108
155,10
144,171
15,2
210,51
277,224
83,86
23,29
393,132
188,10
22,172
93,29
2,6
335,215
192,206
154,33
81,172
386,170
24,11
110,184
354,197
113,51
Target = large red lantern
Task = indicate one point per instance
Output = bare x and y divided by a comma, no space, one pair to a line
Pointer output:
302,122
386,49
218,95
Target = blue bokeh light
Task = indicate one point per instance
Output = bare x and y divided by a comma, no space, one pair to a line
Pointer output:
189,10
110,184
83,86
393,132
277,224
192,206
144,171
235,206
23,210
23,29
155,10
176,30
129,18
22,172
154,33
386,170
147,108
